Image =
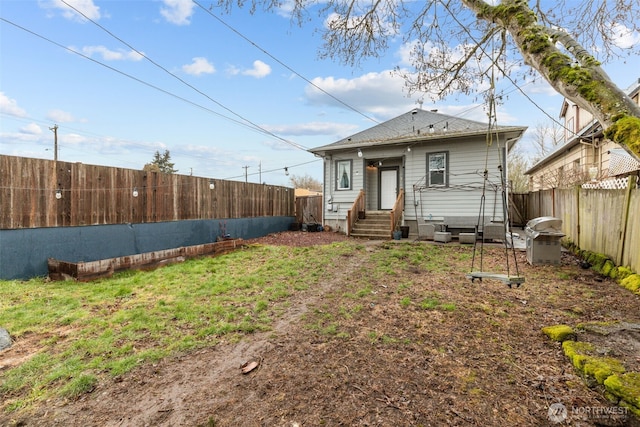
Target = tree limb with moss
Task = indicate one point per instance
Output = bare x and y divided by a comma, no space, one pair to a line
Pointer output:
572,71
454,43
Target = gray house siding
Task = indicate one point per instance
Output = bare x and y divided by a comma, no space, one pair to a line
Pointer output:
462,196
402,144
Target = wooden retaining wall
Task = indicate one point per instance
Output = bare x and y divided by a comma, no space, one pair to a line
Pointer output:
87,271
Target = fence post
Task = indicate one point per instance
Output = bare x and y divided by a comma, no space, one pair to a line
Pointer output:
578,189
631,183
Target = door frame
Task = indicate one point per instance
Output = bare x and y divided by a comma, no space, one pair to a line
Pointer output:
385,169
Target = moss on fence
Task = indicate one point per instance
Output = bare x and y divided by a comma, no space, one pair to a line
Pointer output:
605,266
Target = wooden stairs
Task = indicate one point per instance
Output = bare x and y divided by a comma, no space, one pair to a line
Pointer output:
375,226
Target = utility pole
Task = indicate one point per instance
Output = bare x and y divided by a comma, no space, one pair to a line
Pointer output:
55,142
246,168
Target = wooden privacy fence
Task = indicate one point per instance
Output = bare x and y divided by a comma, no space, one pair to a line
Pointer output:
596,220
46,193
309,209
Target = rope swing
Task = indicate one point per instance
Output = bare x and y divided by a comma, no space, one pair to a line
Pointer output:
507,278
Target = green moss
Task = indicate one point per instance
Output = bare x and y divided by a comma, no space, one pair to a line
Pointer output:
598,327
598,261
575,351
602,368
632,283
608,267
582,358
625,387
626,131
623,273
559,332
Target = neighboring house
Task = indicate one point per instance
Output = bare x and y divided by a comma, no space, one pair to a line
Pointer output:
586,155
420,166
305,192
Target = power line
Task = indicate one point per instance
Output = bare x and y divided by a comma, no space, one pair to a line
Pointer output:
270,170
293,144
283,64
504,73
128,75
253,128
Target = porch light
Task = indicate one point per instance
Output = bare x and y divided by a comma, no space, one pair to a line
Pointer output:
593,172
431,129
359,152
212,184
408,149
135,192
58,194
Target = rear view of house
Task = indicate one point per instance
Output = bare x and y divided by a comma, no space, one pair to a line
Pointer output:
419,167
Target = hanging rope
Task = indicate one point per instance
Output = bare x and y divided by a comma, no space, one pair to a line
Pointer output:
508,278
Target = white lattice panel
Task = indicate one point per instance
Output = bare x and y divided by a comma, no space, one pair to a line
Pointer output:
608,184
621,163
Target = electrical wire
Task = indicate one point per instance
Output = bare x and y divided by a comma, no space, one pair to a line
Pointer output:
129,75
240,123
261,49
504,74
265,131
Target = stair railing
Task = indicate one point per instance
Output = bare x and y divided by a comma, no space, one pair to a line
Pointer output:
352,214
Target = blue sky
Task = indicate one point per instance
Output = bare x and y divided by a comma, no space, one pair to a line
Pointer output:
220,93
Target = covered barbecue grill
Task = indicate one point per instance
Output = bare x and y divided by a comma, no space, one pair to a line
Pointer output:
543,236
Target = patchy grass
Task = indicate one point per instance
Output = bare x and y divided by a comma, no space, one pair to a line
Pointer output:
85,331
377,334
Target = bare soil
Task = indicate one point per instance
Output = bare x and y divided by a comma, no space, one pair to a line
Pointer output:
481,361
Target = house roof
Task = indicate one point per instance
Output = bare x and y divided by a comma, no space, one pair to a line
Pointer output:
412,127
634,88
593,129
586,134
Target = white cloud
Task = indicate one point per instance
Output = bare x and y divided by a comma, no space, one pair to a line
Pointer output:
31,129
10,106
382,93
60,116
86,7
623,37
199,66
311,128
259,70
540,86
110,55
178,11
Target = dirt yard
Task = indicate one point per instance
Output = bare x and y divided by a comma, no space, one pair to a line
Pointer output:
472,355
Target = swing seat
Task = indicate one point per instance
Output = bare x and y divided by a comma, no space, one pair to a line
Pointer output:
504,278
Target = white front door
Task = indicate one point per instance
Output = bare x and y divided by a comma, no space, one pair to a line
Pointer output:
388,188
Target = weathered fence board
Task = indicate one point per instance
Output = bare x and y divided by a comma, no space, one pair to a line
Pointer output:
631,253
601,221
98,195
309,209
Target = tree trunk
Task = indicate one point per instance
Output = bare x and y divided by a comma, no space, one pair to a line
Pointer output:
578,78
